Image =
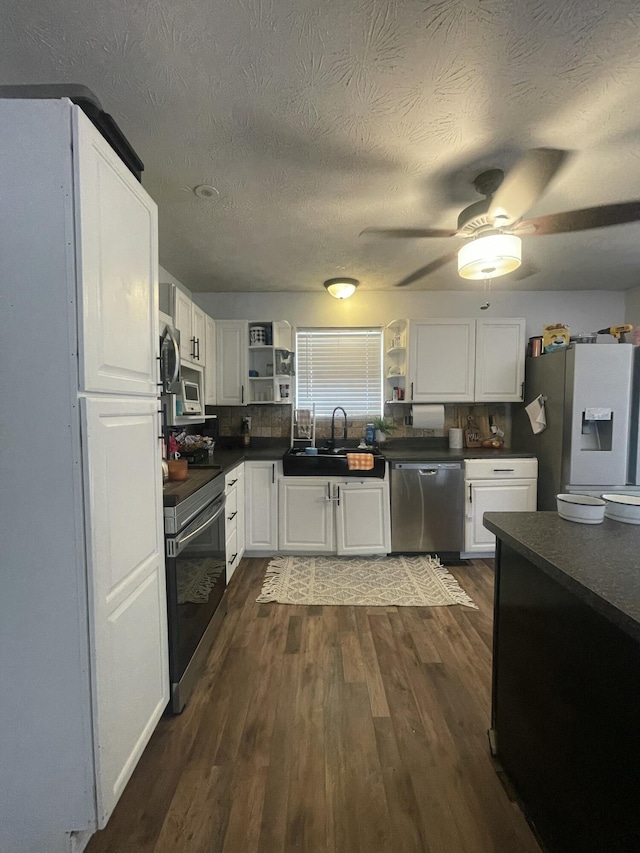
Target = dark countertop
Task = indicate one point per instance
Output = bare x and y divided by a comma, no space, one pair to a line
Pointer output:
599,563
403,454
176,491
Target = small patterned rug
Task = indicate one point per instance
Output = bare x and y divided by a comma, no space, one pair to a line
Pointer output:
420,581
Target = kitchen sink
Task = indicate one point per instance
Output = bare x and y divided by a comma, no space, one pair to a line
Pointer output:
329,463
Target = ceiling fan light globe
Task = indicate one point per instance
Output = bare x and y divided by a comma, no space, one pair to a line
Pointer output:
490,257
341,288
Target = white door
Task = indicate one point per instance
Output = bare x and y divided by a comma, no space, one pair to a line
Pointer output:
198,329
210,368
231,357
441,360
261,506
184,323
117,269
306,515
127,592
494,496
363,518
500,354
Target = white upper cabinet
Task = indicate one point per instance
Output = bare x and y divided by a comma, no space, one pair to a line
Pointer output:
500,355
117,268
231,355
463,361
190,321
211,361
441,360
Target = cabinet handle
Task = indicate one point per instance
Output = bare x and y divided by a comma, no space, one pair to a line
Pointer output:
470,494
503,470
412,390
242,395
232,516
328,491
193,348
338,487
232,483
232,559
273,472
522,391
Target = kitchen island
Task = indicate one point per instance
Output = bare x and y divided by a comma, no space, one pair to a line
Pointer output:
566,677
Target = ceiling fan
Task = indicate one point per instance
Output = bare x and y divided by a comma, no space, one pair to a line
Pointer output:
494,226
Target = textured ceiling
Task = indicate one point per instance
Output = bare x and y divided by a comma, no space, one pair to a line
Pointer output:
317,118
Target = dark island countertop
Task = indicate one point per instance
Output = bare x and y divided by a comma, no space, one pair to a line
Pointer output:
599,563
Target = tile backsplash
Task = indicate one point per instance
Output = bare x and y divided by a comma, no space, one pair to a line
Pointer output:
275,421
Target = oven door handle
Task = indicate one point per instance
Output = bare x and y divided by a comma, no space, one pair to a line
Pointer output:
218,509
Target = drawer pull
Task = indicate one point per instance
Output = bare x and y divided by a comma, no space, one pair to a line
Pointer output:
232,516
232,483
503,470
232,559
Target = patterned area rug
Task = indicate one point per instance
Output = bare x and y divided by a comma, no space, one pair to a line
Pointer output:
406,581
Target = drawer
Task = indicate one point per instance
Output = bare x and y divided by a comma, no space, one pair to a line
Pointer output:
231,478
231,553
231,506
500,469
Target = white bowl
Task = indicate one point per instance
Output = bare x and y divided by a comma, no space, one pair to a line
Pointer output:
581,508
625,508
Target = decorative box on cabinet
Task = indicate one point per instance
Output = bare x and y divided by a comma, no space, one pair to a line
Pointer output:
83,604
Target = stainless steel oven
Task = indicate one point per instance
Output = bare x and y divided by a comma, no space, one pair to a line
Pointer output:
196,583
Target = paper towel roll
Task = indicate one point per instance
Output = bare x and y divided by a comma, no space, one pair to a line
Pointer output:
428,416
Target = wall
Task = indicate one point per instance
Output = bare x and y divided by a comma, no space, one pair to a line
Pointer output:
632,306
581,310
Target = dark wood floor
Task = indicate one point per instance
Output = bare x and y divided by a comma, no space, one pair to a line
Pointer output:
338,729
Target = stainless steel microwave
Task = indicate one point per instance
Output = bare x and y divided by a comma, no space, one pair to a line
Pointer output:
170,371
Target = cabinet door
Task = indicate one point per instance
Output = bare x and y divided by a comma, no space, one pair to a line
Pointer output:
306,515
210,354
198,329
363,523
231,356
493,496
117,270
127,592
500,353
261,506
441,360
184,323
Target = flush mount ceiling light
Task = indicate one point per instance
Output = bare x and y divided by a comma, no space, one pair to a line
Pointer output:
206,191
490,256
341,288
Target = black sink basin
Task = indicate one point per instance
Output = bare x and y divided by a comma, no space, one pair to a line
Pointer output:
329,463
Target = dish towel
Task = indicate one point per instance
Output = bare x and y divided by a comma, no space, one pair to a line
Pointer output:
537,414
360,461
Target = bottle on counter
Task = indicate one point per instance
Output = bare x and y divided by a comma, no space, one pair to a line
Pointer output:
369,435
244,432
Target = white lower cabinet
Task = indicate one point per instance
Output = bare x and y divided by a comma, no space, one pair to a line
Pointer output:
334,515
496,486
306,515
363,523
261,505
234,518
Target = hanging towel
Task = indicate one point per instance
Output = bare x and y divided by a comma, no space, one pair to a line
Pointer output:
360,461
537,414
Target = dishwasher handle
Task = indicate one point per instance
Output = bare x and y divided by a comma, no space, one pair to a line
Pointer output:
430,467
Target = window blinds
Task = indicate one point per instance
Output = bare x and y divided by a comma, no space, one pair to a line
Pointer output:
339,367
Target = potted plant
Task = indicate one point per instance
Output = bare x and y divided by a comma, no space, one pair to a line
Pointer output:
383,427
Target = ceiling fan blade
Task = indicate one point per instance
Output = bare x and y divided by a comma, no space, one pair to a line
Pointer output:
579,220
409,232
524,184
424,271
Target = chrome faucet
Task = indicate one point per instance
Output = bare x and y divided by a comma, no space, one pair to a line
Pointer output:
332,440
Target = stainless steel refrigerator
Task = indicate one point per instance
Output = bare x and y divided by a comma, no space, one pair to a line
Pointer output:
591,408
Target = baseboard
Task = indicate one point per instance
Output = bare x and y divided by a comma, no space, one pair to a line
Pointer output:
477,555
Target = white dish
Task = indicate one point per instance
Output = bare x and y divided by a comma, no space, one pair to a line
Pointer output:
625,508
581,508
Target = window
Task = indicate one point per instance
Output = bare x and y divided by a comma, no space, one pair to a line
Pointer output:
339,367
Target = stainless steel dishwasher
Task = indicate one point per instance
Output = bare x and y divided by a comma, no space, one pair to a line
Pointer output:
427,506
